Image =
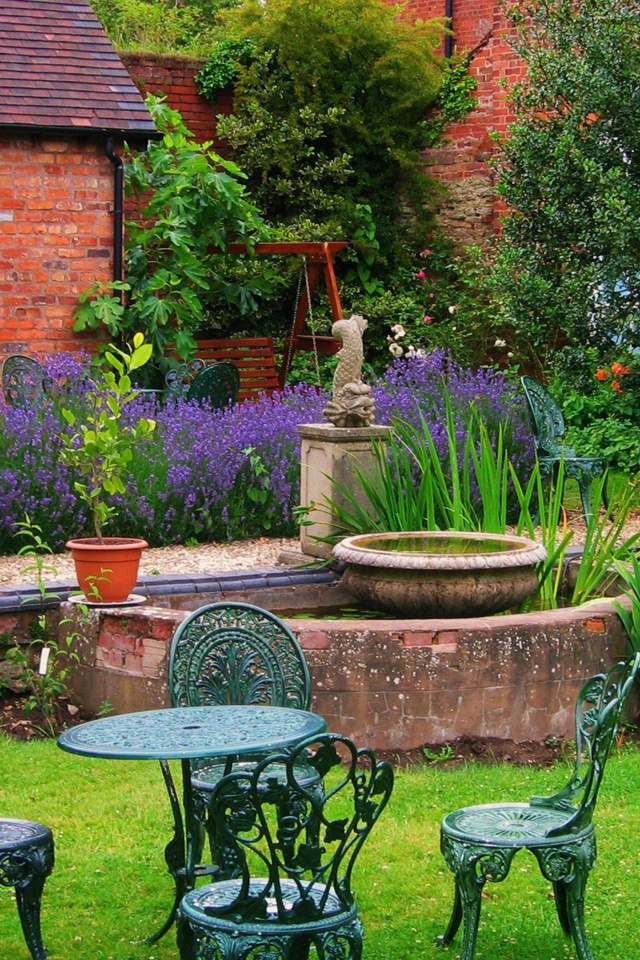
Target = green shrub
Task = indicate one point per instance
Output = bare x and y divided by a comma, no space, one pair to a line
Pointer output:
330,114
568,262
191,201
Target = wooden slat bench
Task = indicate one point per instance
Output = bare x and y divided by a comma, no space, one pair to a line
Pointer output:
254,358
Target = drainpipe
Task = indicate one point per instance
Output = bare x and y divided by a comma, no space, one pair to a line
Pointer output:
118,205
448,40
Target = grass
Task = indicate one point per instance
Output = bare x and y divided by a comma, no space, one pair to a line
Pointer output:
110,886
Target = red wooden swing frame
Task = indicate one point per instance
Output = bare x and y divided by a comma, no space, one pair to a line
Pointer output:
320,256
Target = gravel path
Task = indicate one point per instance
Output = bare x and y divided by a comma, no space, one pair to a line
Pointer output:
205,558
210,557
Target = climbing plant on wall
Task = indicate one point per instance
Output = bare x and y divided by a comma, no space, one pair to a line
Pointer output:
330,116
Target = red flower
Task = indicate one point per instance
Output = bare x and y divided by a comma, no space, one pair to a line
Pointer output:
619,370
420,274
616,386
601,374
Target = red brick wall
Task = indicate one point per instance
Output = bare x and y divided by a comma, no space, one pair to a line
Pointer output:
56,237
471,210
174,77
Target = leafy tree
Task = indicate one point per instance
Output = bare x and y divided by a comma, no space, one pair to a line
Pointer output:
568,266
191,204
181,26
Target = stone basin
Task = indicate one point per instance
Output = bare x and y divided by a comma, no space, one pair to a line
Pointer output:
440,573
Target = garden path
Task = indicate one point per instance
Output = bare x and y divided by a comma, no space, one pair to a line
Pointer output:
204,558
211,557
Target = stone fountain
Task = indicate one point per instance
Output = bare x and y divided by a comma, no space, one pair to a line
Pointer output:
440,573
419,574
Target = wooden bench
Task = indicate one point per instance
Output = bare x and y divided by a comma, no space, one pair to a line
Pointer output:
254,359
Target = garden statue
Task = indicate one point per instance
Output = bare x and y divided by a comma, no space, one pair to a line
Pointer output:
351,403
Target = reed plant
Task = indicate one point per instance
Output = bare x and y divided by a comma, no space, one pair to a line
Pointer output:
412,487
629,573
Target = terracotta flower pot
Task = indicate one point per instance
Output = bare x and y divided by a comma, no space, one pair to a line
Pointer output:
107,572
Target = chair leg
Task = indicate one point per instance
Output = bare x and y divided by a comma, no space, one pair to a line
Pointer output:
575,911
28,899
560,899
584,484
567,866
472,865
454,921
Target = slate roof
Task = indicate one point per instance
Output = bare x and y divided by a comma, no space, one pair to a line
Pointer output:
58,70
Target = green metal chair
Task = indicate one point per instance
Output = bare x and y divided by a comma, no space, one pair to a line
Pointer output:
26,860
479,843
293,888
548,426
215,385
236,653
25,382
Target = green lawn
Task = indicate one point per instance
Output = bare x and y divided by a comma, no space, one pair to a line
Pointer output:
110,886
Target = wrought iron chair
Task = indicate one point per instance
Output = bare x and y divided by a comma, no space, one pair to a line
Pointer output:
26,860
24,381
215,385
479,843
548,426
293,888
235,653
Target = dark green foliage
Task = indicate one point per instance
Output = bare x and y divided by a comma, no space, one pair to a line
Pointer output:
221,68
191,202
570,173
329,119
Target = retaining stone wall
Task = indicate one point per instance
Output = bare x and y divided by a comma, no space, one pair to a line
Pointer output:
391,684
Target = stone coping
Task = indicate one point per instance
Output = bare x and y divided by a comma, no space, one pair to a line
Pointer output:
17,597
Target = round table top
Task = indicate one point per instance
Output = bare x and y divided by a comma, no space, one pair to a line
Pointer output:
190,732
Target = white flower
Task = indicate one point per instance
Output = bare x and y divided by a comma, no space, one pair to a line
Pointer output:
500,343
396,349
510,354
399,331
452,309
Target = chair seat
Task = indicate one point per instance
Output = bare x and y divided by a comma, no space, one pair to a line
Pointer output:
206,777
570,458
27,858
509,825
214,905
16,834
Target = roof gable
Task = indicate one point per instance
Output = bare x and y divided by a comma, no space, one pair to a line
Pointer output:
58,69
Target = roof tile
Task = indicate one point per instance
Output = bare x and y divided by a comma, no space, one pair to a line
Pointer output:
67,77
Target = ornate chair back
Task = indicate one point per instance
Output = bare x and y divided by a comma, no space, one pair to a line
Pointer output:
297,847
546,415
217,386
24,381
598,712
236,653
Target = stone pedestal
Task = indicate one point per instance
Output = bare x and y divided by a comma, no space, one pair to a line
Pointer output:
330,454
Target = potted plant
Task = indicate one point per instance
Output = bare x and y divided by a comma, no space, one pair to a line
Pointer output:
100,449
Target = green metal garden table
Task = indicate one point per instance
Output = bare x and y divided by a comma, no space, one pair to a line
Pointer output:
189,733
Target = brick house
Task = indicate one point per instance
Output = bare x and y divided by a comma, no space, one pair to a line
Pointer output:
67,104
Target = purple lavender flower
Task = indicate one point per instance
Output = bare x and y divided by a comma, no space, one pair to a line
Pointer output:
222,474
